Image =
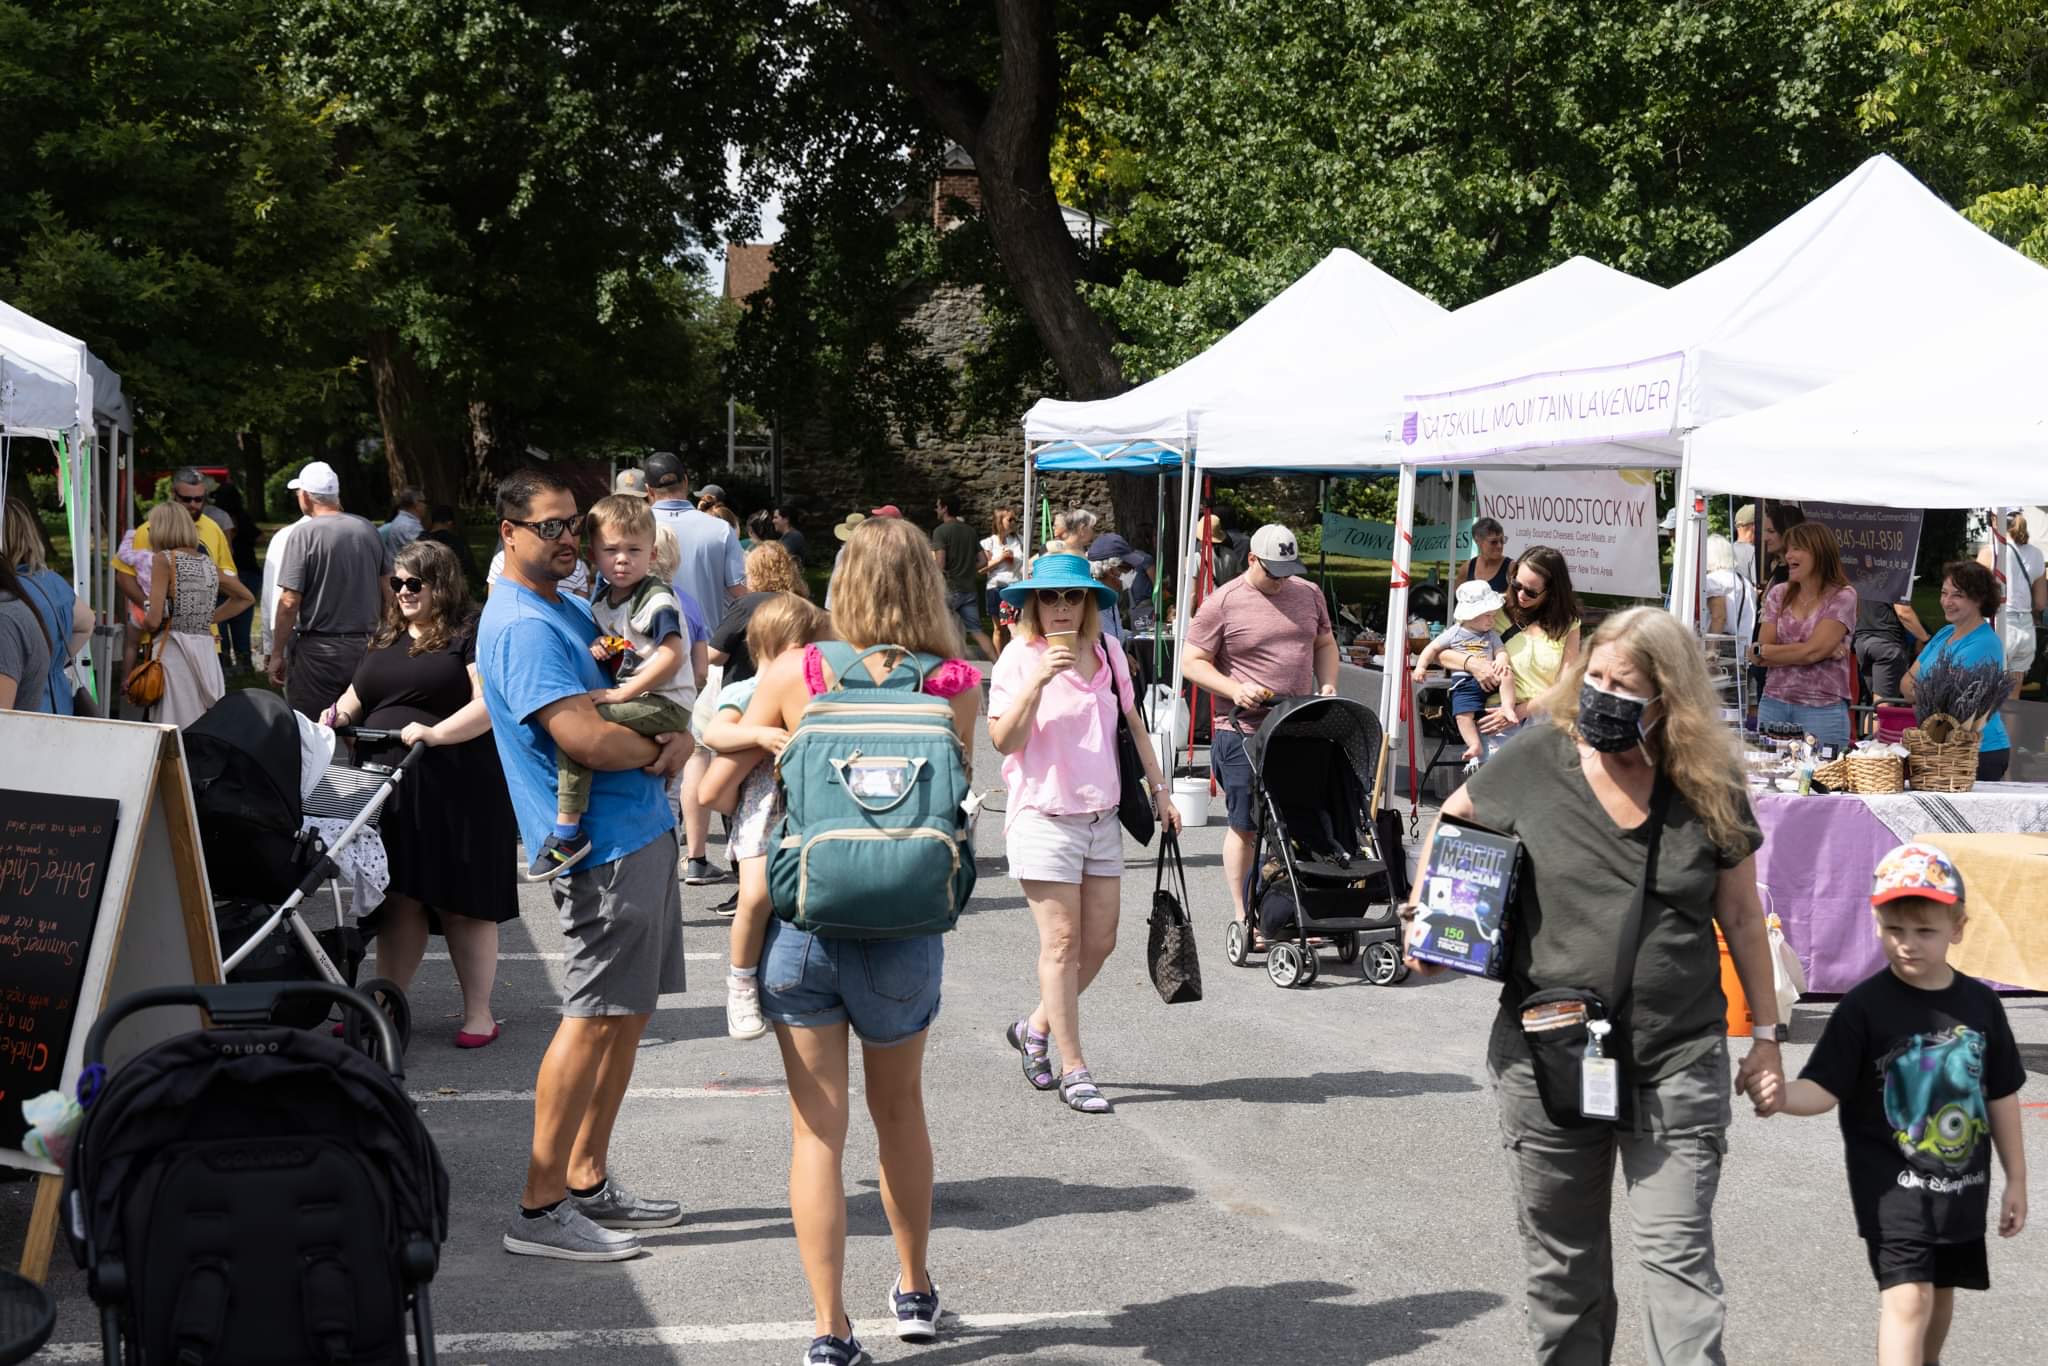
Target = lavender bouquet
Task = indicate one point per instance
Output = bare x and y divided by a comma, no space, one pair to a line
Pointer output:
1967,692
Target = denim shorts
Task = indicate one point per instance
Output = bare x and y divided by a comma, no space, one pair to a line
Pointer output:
887,989
1233,770
1468,695
967,607
1829,725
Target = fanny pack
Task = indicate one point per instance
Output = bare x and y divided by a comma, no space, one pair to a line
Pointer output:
1569,1030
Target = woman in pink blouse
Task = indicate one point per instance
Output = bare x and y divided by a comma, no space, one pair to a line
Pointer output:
1804,643
1052,710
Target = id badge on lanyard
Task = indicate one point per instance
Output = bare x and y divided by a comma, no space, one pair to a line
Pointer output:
1599,1076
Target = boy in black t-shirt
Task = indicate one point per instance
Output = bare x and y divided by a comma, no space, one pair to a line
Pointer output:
1923,1064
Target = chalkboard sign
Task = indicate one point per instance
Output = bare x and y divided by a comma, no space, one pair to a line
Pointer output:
54,858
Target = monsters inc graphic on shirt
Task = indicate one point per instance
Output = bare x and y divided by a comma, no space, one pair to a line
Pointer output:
1934,1099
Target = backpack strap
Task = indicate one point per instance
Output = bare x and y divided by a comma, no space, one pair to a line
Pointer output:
842,660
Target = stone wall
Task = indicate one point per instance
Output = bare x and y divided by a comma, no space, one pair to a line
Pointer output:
986,469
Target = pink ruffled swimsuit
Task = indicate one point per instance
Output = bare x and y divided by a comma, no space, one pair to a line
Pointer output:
949,680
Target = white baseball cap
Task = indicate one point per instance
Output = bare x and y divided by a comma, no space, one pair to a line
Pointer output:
317,478
1274,546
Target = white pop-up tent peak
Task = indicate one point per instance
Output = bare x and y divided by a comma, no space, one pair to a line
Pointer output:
1305,342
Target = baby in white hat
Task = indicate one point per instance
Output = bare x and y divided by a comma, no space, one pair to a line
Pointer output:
1471,630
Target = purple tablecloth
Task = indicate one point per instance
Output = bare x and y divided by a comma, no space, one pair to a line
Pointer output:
1814,871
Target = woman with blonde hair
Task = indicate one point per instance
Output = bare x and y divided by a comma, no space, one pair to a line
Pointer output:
1637,842
1052,714
67,622
183,585
448,828
1803,644
816,991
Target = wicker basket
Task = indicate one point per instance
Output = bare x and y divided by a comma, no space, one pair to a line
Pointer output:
1943,754
1865,774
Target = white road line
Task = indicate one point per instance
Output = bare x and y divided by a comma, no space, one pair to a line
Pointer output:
679,1335
632,1093
559,956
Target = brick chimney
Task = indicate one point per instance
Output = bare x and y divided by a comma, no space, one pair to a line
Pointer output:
956,187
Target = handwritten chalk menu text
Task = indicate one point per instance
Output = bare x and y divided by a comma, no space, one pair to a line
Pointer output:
53,865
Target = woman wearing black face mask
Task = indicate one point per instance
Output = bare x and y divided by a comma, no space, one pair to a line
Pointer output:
1637,840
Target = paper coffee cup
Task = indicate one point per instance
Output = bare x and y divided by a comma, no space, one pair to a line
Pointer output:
1059,640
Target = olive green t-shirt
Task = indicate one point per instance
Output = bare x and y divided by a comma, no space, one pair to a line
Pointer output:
1579,875
960,546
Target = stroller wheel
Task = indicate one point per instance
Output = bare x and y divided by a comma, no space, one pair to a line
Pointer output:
1311,965
1383,966
1285,965
1347,947
390,999
1237,944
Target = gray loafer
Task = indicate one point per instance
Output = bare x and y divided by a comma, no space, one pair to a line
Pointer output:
617,1207
566,1235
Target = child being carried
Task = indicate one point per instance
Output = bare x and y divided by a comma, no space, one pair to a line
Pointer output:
644,643
1472,631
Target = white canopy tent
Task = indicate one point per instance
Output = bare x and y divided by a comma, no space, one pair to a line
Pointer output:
1305,345
1961,420
52,387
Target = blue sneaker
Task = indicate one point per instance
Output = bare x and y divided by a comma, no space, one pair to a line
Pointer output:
917,1312
557,856
831,1351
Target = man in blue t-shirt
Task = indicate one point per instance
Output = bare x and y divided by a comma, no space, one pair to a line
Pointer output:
712,571
620,908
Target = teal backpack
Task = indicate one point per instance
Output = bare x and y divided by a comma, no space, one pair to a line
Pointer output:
873,842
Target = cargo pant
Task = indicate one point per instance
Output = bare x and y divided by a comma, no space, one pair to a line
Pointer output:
1562,1182
649,716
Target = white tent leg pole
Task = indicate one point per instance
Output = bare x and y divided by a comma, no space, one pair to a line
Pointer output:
1685,553
1184,579
1397,605
1451,545
1030,513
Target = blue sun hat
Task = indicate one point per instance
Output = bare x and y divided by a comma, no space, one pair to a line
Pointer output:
1059,571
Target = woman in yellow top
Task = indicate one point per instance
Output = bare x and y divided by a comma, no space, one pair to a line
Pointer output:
1545,644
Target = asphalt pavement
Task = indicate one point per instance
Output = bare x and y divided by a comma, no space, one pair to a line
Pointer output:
1303,1176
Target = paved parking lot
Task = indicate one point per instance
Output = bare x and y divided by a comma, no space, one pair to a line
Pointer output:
1305,1176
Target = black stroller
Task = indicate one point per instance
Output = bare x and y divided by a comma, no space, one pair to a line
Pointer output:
253,1193
1319,874
264,857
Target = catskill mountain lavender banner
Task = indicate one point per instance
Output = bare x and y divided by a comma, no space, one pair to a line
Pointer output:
1604,523
1560,408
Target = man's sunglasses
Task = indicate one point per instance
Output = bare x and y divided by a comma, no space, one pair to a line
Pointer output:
399,585
1056,597
553,527
196,500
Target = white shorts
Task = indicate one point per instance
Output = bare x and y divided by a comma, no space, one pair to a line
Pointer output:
1046,848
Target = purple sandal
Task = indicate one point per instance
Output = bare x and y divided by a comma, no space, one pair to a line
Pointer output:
1034,1047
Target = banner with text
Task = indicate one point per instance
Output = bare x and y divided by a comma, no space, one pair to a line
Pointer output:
1561,408
1375,540
1879,546
1604,523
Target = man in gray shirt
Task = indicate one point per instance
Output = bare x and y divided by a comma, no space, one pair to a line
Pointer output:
332,577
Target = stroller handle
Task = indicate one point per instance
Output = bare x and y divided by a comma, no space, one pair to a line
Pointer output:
242,1004
383,737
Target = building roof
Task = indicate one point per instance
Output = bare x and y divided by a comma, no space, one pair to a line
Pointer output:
747,268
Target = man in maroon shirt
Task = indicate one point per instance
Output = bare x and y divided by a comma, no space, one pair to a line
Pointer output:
1264,635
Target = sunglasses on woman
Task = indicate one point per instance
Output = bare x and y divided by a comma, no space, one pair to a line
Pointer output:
1526,591
399,585
1062,597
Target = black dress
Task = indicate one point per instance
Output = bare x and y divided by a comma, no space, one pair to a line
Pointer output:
448,829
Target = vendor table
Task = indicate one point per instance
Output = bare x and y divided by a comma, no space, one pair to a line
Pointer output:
1819,851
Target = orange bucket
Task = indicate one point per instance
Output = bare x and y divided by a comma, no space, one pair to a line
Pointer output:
1740,1021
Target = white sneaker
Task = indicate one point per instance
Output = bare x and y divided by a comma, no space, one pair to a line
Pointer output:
743,1008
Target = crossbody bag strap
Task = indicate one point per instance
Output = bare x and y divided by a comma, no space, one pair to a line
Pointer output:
1633,928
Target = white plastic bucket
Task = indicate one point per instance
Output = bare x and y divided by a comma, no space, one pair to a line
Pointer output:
1191,799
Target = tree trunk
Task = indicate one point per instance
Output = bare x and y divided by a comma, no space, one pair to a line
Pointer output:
417,451
1009,135
497,443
